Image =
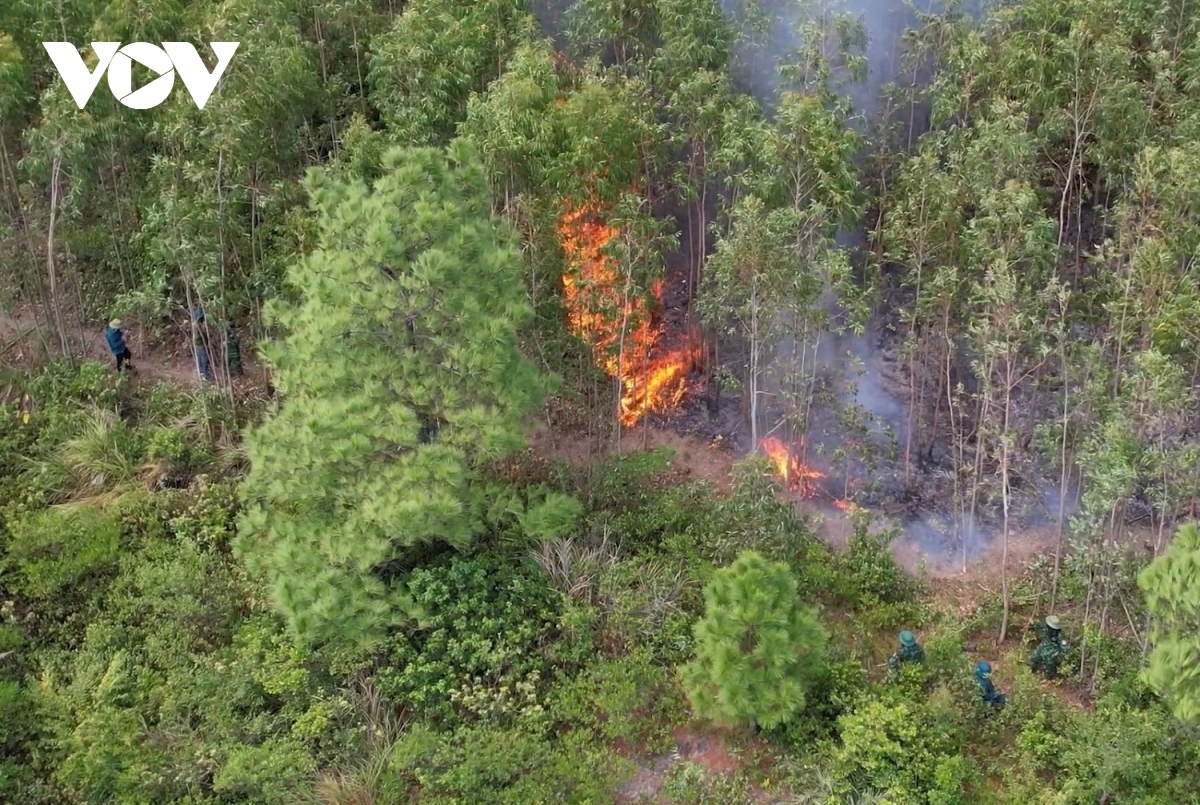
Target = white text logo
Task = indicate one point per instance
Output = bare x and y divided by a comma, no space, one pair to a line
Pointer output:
172,57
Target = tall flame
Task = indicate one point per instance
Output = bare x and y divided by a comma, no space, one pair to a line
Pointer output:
618,327
788,467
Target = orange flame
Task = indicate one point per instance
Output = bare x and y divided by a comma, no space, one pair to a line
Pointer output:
618,327
794,473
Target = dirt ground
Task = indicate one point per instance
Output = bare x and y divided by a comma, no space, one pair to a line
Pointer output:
707,749
24,342
709,461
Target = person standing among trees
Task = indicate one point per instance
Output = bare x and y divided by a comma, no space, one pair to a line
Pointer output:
983,676
233,350
115,337
1051,647
909,651
203,366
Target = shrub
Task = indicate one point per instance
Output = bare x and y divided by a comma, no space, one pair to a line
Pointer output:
61,549
873,575
644,603
478,646
837,688
503,766
273,773
902,750
631,700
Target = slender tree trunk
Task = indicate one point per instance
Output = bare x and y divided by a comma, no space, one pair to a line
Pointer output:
1004,495
51,269
1063,478
755,346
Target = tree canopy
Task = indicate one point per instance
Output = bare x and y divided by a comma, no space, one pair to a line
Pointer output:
757,648
400,375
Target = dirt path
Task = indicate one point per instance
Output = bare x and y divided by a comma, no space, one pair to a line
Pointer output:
24,342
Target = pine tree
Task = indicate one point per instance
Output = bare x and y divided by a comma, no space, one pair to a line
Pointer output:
1173,667
756,647
400,375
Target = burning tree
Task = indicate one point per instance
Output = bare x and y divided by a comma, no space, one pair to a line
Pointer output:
606,309
788,466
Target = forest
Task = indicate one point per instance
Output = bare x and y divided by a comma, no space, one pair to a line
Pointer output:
690,402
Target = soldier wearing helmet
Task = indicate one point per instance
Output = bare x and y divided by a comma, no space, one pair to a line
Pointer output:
909,651
1051,648
983,676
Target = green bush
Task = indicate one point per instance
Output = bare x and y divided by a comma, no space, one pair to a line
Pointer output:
63,550
503,766
1135,756
689,783
177,598
478,647
19,715
647,603
207,514
871,574
837,688
631,700
904,751
273,773
625,483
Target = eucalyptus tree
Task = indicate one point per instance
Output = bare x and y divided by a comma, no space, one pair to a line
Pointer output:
423,70
746,287
920,232
811,178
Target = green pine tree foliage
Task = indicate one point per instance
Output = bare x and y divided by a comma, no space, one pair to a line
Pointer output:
756,647
1173,598
406,325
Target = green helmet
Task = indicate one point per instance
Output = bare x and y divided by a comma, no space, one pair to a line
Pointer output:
1052,621
907,639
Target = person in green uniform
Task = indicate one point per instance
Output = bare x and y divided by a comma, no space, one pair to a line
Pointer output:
909,651
983,676
233,351
1051,647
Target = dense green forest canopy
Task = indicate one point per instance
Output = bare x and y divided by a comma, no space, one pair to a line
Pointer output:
456,238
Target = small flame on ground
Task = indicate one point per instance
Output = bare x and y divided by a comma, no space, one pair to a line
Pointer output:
788,467
618,327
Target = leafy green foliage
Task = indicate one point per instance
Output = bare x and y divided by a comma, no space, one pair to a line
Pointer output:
1173,667
1136,755
870,580
63,550
629,700
401,376
477,649
900,751
425,68
510,766
756,647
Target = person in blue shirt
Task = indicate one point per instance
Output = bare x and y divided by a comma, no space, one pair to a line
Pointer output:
115,337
